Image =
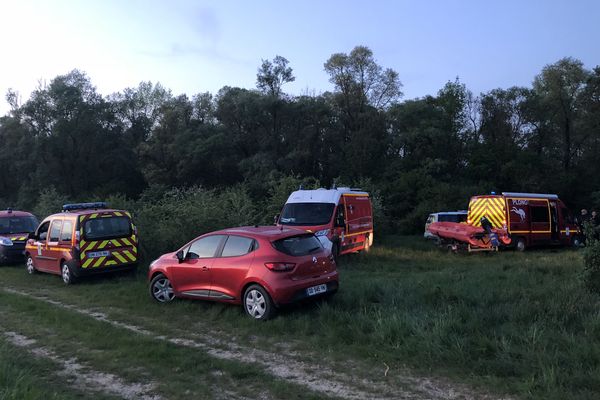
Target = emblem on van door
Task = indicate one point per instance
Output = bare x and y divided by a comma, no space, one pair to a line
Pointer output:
520,212
314,260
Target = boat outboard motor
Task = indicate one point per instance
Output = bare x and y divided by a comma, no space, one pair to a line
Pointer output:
487,227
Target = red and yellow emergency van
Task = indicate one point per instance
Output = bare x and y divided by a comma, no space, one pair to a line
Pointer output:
517,219
340,217
530,219
85,238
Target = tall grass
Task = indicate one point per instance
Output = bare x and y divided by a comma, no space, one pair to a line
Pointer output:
522,323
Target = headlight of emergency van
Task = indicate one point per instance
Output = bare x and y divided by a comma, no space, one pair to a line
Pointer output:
4,241
324,232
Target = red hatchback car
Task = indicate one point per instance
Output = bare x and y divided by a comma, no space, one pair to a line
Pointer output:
258,267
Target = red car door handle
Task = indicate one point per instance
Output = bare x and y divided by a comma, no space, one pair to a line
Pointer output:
205,268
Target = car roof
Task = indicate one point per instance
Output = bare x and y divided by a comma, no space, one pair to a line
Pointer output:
269,232
15,213
451,212
86,212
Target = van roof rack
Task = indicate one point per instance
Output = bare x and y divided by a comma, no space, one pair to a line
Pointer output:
84,206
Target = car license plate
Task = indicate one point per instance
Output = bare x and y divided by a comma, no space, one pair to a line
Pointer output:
311,291
96,254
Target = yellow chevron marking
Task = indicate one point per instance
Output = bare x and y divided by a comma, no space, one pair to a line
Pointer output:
87,262
119,257
126,241
491,208
118,214
111,262
129,255
94,215
103,244
99,262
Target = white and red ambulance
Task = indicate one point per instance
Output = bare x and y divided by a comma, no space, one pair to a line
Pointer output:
342,215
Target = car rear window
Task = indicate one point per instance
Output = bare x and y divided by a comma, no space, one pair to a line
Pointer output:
106,227
298,245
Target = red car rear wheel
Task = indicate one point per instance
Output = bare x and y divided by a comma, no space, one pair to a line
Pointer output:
258,303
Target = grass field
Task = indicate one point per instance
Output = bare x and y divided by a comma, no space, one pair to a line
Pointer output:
516,324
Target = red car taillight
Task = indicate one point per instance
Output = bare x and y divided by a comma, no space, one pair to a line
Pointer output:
280,267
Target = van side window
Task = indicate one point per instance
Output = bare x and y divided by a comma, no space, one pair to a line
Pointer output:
539,214
340,220
567,216
67,231
55,231
42,232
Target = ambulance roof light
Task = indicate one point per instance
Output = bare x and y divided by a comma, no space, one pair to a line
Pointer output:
84,206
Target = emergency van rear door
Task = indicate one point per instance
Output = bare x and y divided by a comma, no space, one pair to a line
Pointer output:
107,239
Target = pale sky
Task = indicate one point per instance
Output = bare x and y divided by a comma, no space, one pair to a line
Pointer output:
197,46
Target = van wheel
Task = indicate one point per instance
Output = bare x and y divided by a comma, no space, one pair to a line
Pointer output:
258,303
30,266
521,245
67,275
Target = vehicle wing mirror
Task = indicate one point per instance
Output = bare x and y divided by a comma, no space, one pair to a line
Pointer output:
276,219
31,235
180,256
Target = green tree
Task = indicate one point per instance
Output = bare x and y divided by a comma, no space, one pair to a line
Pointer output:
272,75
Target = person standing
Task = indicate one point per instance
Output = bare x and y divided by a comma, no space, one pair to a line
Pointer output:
594,221
582,222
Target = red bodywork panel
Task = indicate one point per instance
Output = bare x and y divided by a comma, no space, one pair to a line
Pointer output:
224,279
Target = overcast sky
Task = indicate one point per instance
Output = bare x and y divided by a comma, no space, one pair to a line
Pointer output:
197,46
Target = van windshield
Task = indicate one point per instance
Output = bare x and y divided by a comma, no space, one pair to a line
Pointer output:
17,225
306,214
106,228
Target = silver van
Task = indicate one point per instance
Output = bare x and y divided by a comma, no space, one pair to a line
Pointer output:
446,216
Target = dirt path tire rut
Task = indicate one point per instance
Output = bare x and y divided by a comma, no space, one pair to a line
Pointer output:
317,378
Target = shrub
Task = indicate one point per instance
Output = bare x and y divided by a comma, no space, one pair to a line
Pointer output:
182,214
591,272
49,202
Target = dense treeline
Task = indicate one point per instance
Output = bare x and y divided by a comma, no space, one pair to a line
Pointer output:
418,156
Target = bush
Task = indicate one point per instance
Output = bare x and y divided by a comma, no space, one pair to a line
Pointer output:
49,202
182,214
591,257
